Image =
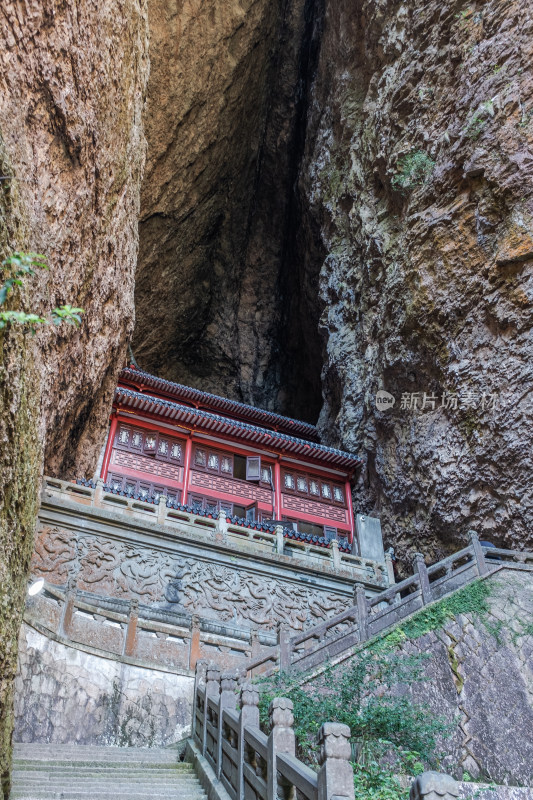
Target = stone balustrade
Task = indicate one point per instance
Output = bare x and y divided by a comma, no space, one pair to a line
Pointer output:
250,764
237,537
136,634
370,616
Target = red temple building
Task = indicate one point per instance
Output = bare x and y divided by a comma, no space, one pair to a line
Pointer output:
207,453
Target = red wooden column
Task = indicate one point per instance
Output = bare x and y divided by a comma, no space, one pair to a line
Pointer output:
109,445
351,520
277,487
187,469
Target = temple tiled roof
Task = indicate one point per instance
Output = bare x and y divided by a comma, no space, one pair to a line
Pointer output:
213,402
214,423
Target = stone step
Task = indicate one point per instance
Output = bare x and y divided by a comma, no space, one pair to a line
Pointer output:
36,771
83,772
85,752
101,779
174,793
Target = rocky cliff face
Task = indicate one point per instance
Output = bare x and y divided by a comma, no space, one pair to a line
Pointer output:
417,172
226,99
345,187
72,81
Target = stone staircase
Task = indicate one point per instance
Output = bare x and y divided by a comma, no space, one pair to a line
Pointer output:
85,772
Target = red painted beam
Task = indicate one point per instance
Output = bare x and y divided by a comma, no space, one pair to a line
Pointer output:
109,446
187,470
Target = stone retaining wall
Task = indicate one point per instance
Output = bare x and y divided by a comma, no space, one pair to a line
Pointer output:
66,695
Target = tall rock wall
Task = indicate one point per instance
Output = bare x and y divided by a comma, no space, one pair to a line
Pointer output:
72,82
226,100
476,679
417,173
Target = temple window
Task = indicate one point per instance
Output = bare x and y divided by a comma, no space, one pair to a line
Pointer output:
149,443
301,483
313,487
225,465
289,481
338,494
326,491
176,452
212,461
200,458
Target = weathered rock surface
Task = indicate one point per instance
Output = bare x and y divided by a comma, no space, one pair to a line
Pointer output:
226,97
390,193
478,680
72,81
481,677
428,287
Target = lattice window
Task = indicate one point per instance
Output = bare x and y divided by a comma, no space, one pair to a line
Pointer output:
176,452
326,491
200,457
301,483
288,481
338,494
213,461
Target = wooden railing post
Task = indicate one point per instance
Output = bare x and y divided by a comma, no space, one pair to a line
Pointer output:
420,567
284,641
98,495
362,611
255,645
221,527
335,778
199,683
431,785
68,606
130,641
281,740
227,700
162,509
389,567
212,689
249,717
479,555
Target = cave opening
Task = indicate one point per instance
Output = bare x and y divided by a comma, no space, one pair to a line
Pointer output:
227,284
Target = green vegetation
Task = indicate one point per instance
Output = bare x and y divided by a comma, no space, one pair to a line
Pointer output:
478,121
415,169
471,599
390,733
15,268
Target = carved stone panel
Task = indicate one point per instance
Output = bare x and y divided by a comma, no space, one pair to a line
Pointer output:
117,569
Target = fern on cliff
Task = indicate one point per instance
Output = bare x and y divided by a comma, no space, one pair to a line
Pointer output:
15,269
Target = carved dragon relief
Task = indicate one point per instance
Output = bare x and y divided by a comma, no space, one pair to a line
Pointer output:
117,569
240,597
